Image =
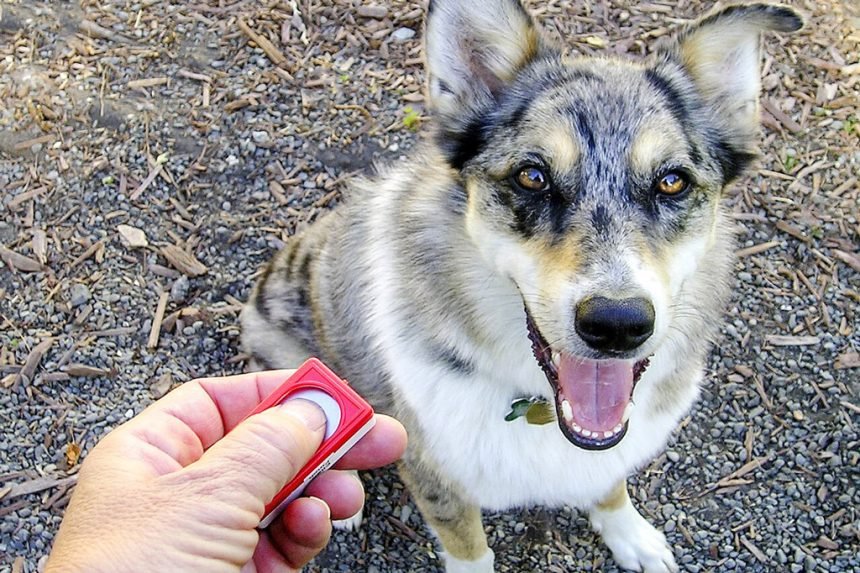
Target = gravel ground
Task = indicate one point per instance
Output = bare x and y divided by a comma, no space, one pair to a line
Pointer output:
154,154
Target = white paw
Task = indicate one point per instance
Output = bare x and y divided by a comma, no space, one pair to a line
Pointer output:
635,543
483,564
350,523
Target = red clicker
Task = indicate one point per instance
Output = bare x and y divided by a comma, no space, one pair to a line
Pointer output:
348,419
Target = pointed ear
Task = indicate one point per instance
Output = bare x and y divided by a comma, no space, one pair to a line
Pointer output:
721,53
474,48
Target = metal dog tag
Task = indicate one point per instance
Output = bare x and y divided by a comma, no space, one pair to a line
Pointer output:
536,411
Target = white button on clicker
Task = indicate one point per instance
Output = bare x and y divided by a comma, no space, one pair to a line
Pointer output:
327,403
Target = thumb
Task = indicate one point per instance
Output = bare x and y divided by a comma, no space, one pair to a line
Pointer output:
260,455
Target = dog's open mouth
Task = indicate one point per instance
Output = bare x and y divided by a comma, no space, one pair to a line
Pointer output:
592,397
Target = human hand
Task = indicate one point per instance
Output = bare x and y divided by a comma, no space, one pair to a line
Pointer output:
171,490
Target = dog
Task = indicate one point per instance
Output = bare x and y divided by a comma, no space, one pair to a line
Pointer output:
556,251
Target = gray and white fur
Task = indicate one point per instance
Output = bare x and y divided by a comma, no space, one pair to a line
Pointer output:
548,182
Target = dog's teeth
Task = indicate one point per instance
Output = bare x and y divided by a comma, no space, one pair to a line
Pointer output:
618,428
627,411
577,429
586,433
566,411
608,434
556,359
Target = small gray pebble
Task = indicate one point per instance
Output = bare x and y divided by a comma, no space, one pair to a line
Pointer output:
403,34
261,137
79,294
179,290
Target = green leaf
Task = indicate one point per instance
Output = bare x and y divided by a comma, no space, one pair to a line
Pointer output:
412,119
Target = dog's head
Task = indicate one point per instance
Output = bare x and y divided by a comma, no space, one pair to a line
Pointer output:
594,183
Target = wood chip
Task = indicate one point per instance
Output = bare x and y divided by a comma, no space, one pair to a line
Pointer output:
372,11
278,193
853,407
184,262
850,184
12,508
850,259
195,76
848,359
748,467
146,83
86,371
19,262
781,116
18,565
727,483
744,370
96,31
780,340
790,229
161,386
595,41
850,70
27,144
775,175
33,360
264,43
123,331
92,250
155,332
756,249
756,552
132,237
39,244
39,484
17,200
239,103
163,271
155,172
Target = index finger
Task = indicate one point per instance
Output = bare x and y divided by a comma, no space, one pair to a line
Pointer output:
384,444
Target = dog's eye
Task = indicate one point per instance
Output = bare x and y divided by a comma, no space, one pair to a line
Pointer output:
672,183
532,179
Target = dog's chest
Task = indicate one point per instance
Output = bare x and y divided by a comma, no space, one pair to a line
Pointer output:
502,464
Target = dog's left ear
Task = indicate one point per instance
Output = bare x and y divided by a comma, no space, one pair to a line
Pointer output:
721,54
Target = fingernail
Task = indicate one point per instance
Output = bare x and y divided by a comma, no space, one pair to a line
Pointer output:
324,504
309,413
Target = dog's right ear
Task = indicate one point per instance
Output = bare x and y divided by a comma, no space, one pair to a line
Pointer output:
473,49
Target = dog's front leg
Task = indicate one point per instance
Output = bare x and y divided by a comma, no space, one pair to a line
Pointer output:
635,543
455,522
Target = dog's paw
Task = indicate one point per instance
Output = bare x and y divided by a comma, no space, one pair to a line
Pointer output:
484,564
350,523
635,544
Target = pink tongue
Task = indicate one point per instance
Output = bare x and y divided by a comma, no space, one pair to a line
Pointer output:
598,390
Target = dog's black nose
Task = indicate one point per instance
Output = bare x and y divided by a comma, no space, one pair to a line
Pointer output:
614,325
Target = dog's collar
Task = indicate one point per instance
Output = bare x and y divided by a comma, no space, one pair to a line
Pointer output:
535,409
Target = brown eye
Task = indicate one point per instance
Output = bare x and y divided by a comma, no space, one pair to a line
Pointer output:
672,183
532,179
